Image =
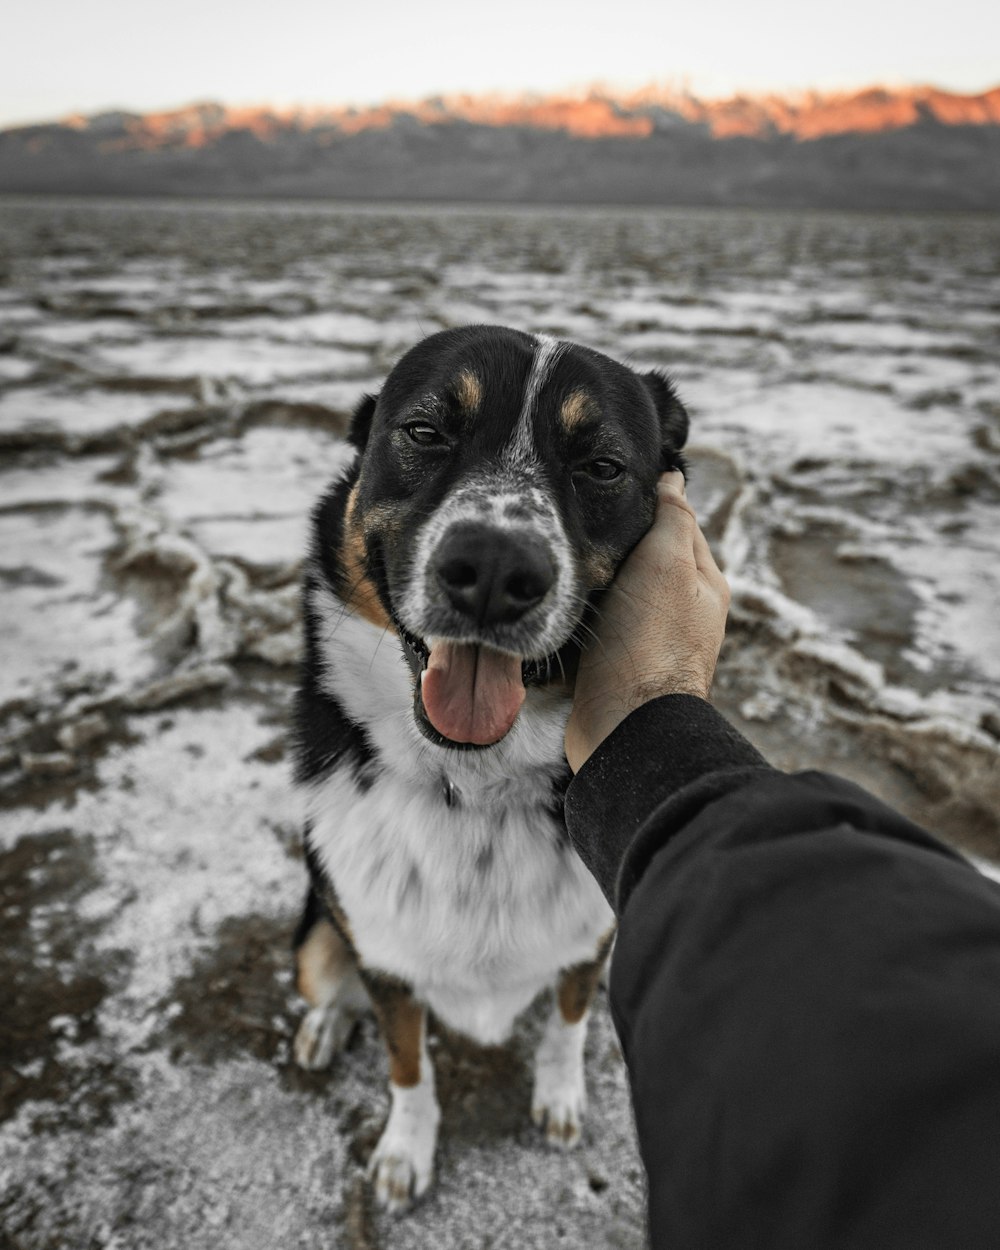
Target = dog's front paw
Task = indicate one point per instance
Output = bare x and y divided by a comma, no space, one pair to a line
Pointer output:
560,1097
323,1032
399,1180
558,1108
402,1170
402,1164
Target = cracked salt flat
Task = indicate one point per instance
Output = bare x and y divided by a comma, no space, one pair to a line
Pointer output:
798,420
876,336
323,327
246,362
856,525
79,333
250,497
77,481
63,623
15,370
76,412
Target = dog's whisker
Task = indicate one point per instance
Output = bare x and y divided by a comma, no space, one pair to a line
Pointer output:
562,668
371,664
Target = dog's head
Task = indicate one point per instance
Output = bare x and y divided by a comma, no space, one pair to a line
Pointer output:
503,478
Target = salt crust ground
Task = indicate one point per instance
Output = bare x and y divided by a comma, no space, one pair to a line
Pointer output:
173,385
166,1111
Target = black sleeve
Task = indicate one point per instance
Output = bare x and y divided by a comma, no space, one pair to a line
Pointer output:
807,991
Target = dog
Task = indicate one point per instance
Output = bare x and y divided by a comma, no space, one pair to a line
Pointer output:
455,568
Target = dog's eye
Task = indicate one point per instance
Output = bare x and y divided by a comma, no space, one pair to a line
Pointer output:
603,470
421,432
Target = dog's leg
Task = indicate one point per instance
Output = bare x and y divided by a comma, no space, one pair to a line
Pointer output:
327,978
560,1097
402,1163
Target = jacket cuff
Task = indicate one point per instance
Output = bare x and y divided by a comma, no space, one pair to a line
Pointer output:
658,750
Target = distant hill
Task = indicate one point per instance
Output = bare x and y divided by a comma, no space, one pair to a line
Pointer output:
918,148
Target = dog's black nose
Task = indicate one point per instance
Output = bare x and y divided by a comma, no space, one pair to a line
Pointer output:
490,575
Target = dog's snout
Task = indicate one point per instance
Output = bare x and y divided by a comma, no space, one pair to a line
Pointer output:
492,576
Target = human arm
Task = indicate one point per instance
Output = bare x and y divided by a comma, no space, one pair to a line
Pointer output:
807,991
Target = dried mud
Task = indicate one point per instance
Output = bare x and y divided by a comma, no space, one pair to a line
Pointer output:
175,382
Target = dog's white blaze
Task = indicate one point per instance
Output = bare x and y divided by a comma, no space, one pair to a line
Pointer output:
478,905
521,449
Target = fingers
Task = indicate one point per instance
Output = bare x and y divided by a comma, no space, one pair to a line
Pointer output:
672,492
673,528
672,483
661,627
703,557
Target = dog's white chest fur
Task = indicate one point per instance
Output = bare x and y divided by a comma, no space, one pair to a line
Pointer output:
479,904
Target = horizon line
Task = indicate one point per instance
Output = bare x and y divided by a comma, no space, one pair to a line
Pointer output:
664,88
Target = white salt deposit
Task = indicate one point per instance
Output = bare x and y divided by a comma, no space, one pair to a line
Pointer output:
843,382
245,362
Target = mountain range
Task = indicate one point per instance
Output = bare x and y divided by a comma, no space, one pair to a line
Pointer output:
913,148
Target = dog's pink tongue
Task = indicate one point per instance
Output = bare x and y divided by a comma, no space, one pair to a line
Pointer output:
471,693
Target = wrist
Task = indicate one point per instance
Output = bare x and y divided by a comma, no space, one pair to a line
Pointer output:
594,719
674,682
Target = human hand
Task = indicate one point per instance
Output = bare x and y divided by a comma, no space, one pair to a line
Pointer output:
660,627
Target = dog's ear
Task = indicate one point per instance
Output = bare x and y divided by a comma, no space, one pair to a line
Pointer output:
673,419
361,422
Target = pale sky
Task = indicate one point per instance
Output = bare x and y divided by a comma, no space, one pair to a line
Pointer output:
64,56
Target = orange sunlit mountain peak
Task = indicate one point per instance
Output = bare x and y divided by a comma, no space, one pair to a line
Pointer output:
591,114
884,148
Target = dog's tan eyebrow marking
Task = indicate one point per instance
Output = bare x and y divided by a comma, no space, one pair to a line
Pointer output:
575,409
468,391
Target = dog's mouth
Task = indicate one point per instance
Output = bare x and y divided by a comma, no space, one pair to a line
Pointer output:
466,694
471,693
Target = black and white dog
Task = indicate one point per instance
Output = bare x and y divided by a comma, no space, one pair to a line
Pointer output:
500,480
